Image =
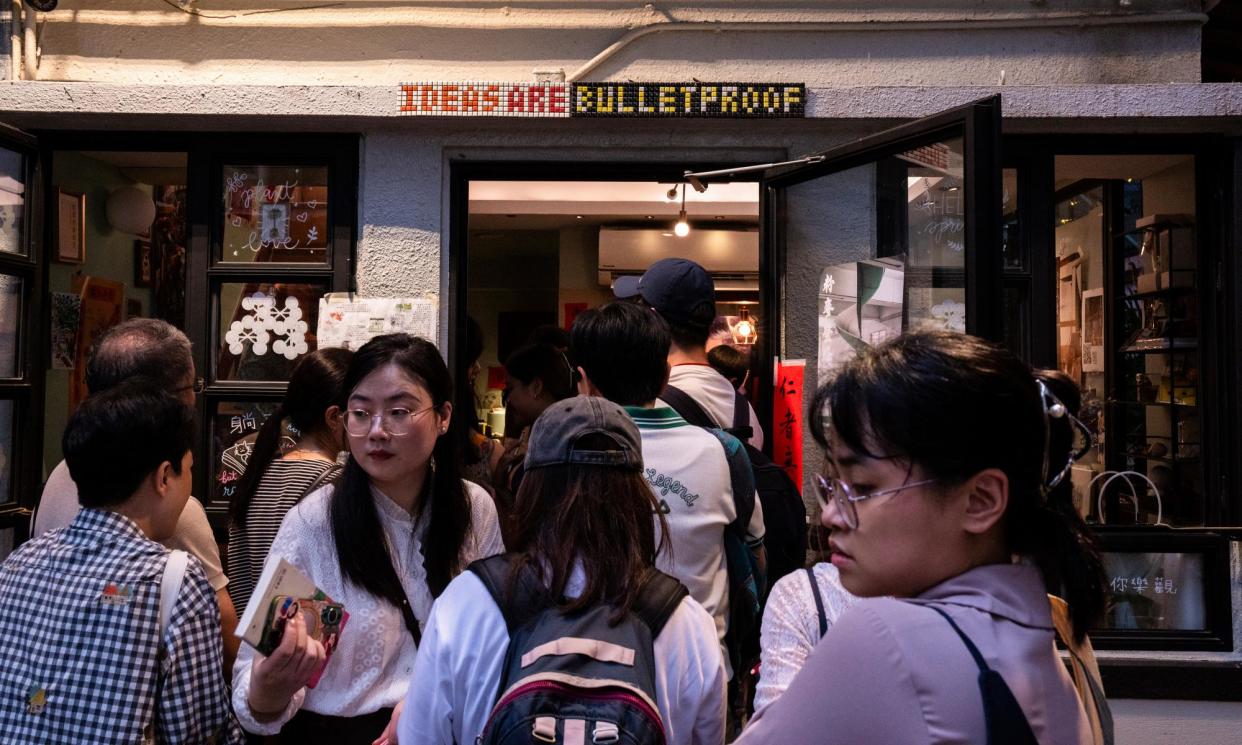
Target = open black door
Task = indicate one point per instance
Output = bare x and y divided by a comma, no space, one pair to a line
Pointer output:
21,368
892,232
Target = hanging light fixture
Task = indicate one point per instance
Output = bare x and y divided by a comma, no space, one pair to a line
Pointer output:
682,228
745,331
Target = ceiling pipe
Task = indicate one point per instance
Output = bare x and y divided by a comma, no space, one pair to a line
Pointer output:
845,26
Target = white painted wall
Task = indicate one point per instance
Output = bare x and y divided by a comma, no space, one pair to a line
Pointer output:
834,42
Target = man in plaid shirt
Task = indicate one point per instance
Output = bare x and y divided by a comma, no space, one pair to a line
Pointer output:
82,659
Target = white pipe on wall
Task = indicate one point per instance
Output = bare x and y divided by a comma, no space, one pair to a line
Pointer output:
30,46
15,40
844,26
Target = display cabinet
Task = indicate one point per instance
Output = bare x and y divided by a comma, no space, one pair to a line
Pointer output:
1154,428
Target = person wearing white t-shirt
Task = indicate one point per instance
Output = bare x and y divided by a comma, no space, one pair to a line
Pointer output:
621,350
683,293
584,516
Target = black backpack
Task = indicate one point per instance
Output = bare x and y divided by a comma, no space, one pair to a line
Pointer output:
784,513
575,678
784,519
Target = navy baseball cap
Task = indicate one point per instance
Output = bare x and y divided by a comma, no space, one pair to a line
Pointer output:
677,288
625,287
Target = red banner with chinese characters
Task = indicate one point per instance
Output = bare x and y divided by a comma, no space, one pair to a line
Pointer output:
787,418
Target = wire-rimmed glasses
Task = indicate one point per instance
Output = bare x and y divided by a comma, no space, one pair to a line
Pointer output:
396,422
834,489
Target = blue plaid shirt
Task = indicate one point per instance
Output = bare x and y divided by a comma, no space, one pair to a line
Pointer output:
80,659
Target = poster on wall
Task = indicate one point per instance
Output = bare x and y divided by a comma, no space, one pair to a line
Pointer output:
860,306
348,321
787,418
1093,330
66,312
103,305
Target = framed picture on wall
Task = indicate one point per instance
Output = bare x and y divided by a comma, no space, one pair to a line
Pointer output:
1165,590
70,227
144,275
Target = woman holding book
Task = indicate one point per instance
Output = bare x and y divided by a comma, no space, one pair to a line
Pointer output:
384,543
273,483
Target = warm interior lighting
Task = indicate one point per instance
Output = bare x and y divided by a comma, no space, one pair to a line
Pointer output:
682,228
744,331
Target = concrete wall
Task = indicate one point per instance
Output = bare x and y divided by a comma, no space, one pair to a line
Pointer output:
836,42
1143,722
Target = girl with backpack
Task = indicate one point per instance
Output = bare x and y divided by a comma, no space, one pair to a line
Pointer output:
946,488
384,542
274,482
574,636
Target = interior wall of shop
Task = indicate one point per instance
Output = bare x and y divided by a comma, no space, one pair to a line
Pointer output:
953,42
109,255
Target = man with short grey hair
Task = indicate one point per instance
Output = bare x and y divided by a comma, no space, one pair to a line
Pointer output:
160,351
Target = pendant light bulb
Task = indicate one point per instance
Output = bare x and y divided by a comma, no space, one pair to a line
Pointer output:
682,228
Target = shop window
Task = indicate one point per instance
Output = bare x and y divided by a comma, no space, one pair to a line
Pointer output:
234,429
10,321
7,440
275,214
265,328
1129,332
12,201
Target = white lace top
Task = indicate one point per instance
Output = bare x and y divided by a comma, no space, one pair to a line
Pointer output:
790,627
374,660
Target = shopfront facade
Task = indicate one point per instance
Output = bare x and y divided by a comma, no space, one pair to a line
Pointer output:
1025,166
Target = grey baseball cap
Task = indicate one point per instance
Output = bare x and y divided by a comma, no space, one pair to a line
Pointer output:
555,434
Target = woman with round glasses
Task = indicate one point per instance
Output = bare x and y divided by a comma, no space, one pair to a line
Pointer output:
945,491
384,542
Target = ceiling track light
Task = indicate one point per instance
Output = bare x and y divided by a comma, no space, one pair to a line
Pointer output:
682,228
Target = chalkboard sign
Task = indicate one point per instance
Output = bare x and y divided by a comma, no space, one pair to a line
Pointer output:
275,214
234,429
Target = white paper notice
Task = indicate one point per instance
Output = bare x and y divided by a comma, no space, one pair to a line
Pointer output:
350,322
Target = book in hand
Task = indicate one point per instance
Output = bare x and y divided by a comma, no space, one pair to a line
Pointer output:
282,592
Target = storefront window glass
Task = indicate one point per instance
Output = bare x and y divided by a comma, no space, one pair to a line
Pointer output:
275,214
1128,333
1011,247
12,201
10,317
265,328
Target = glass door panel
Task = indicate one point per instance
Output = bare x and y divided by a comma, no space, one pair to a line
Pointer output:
894,232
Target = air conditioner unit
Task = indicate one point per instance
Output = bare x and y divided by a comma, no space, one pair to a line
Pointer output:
731,256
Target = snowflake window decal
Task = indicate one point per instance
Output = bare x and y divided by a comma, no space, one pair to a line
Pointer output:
265,320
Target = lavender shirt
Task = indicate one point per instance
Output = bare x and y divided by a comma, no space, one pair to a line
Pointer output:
890,671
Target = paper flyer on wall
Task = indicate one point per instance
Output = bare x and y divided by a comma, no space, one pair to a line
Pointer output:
348,321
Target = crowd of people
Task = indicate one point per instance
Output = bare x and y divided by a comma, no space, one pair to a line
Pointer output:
601,574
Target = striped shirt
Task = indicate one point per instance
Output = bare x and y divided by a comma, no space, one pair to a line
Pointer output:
283,484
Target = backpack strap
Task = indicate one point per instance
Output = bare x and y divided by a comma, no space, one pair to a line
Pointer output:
170,586
687,407
528,597
819,602
741,479
741,428
1003,717
659,598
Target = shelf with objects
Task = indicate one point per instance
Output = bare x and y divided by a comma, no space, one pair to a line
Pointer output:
1153,411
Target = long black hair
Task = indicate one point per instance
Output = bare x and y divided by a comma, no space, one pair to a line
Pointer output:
314,387
365,561
956,405
598,517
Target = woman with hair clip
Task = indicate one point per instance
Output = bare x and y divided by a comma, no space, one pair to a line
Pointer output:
945,489
584,536
273,482
384,542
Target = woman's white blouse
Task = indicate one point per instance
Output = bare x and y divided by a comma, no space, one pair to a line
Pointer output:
790,627
374,659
